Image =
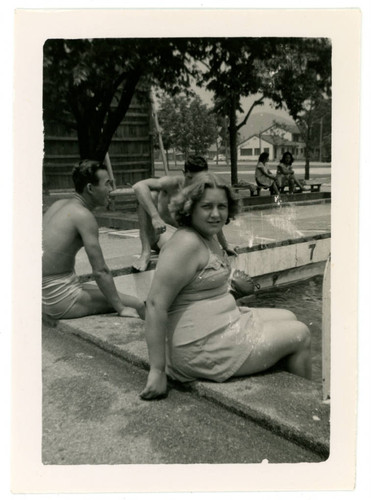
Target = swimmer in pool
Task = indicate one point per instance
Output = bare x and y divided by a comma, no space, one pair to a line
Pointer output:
69,225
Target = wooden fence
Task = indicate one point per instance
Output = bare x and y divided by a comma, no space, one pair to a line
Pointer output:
131,150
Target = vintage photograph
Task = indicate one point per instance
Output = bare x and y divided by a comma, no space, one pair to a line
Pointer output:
186,200
186,248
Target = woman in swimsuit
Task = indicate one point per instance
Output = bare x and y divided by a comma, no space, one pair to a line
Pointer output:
194,328
264,177
286,175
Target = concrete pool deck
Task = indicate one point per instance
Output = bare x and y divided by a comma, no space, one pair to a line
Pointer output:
286,404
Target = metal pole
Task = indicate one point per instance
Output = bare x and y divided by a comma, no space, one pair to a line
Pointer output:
107,162
158,130
326,331
226,139
320,138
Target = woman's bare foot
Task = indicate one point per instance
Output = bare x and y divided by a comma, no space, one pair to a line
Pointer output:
142,311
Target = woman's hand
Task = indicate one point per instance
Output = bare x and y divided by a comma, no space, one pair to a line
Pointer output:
242,284
231,251
156,387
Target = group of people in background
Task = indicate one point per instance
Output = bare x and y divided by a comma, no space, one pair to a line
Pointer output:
285,175
194,328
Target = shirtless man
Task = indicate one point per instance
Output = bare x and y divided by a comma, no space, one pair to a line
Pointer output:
69,225
156,225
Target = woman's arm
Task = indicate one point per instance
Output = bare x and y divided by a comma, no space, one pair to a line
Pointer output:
285,170
266,171
178,263
225,245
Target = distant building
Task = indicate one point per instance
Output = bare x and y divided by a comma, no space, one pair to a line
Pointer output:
273,140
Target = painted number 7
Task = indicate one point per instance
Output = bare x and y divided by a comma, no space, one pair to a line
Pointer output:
312,247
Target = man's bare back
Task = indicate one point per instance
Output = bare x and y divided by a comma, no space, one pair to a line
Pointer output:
156,226
69,225
165,195
155,221
61,239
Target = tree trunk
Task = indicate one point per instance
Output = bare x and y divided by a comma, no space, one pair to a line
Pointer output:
88,135
307,176
320,138
233,140
88,127
226,140
167,157
307,156
116,115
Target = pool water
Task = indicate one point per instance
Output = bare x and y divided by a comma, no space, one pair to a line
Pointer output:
279,224
305,300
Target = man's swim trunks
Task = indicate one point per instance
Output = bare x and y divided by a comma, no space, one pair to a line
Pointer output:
59,294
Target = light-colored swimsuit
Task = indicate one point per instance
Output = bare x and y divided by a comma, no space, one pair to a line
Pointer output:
208,335
59,294
284,174
261,178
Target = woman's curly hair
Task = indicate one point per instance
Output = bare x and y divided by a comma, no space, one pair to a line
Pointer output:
181,206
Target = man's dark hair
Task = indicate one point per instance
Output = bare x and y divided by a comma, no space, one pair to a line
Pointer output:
86,172
195,164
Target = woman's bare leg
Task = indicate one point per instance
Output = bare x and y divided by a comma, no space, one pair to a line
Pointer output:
275,188
297,182
267,314
288,341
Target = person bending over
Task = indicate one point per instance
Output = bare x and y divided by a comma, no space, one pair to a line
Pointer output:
69,225
194,328
156,224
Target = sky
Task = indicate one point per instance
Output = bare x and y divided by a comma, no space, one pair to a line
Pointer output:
246,102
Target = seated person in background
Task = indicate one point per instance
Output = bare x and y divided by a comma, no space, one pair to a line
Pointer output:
194,329
286,175
263,176
156,225
69,225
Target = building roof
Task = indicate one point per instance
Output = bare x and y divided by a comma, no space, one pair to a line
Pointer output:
275,140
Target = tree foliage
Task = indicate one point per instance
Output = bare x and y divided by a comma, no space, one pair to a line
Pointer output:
187,124
89,83
298,75
289,71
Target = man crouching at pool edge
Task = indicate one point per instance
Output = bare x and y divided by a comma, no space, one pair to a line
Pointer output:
69,225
